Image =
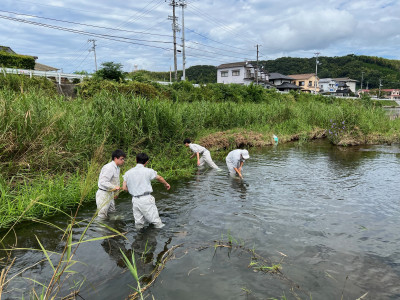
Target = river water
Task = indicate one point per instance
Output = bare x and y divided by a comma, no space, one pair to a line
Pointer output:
329,216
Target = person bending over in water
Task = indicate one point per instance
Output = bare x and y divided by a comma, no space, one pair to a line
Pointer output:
235,160
205,154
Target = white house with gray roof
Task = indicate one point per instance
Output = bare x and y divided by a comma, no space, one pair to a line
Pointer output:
243,73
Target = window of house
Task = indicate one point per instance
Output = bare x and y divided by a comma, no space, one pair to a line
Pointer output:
301,83
224,73
235,72
310,83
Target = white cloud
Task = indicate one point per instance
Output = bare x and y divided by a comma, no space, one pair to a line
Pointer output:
219,31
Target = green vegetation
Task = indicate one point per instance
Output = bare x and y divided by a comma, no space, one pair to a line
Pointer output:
110,71
351,65
47,144
9,60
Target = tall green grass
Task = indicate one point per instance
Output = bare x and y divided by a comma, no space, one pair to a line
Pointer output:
46,143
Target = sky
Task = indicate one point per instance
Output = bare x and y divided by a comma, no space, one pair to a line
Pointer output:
138,34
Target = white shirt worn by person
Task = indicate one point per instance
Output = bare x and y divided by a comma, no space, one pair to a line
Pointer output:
197,148
109,177
235,158
138,180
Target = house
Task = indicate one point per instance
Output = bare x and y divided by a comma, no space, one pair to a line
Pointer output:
38,66
392,94
343,86
282,82
327,86
350,83
243,73
307,82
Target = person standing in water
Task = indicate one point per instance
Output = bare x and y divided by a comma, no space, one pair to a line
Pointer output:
235,160
137,181
109,184
205,154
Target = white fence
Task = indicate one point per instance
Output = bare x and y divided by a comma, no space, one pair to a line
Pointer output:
56,75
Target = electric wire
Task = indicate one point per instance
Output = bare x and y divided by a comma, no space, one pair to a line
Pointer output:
83,24
105,36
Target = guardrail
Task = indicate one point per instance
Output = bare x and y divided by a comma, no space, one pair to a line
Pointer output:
56,75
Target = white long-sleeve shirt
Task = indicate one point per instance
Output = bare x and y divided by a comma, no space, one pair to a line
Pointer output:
109,177
197,148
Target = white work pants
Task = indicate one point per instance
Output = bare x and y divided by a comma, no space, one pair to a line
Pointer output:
144,209
105,203
231,168
206,157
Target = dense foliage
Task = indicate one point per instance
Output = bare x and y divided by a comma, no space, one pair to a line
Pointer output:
8,60
374,68
110,71
47,144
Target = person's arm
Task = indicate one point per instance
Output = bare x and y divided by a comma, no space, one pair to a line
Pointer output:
198,158
124,186
162,180
241,165
239,173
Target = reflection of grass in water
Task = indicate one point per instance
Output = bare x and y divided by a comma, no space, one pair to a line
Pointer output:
62,267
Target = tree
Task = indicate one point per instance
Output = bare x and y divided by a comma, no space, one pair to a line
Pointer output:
111,71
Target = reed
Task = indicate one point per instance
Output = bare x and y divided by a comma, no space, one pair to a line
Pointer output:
46,142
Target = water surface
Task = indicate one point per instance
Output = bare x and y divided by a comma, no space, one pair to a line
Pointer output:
329,216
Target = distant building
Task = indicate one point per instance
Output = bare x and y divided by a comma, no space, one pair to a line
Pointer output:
243,73
327,85
338,86
282,82
307,82
38,66
392,94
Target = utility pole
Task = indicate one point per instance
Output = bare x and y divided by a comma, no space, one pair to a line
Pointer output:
316,71
362,78
182,3
94,51
174,30
380,84
257,67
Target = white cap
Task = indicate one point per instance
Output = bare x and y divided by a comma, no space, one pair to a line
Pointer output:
245,154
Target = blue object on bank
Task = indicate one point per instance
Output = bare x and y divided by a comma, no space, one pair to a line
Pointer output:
275,139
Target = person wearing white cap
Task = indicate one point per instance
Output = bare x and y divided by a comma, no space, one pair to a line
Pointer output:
235,160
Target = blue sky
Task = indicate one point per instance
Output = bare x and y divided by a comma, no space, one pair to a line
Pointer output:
138,33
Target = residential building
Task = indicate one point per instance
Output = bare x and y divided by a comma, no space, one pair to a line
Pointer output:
327,85
243,73
38,66
392,94
307,82
350,83
338,86
282,82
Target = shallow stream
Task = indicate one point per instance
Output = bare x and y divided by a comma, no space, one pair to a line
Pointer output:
328,217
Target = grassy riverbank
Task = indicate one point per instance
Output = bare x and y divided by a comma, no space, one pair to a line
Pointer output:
47,144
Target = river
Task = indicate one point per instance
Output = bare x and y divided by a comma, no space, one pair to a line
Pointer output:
327,216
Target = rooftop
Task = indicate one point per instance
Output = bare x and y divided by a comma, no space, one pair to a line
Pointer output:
236,64
302,76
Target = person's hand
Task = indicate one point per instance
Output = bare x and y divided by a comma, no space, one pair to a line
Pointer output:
115,197
198,163
167,186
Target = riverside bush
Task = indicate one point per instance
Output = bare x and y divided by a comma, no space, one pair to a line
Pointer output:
46,142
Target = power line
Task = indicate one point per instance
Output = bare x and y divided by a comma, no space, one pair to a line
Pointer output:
105,36
221,24
83,24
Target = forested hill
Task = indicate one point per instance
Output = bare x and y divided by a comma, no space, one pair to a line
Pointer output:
374,68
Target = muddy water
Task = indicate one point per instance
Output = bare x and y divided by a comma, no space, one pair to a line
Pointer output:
329,216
